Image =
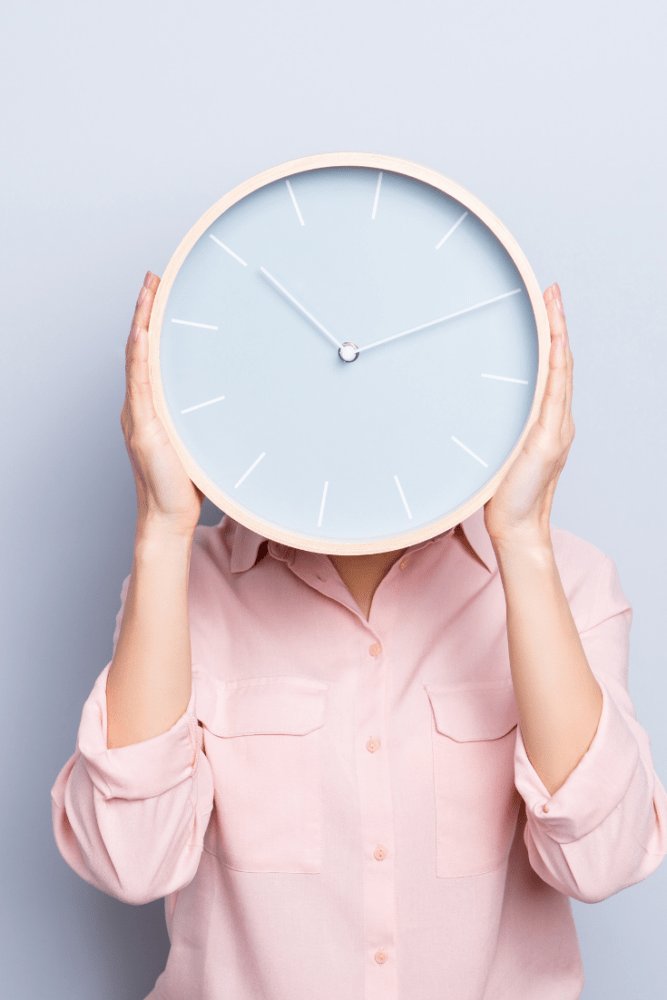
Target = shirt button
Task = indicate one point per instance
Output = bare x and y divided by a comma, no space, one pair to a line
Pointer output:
375,649
381,956
380,852
373,745
403,563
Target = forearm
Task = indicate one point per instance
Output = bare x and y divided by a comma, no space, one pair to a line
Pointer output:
558,698
150,678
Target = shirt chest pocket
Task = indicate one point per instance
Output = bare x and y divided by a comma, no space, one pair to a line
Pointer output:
262,737
476,800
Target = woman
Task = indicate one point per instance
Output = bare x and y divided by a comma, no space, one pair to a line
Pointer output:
378,776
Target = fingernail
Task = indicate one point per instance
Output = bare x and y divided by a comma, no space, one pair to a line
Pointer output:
142,295
559,300
147,279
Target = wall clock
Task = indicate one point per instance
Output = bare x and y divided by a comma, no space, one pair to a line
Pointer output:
348,351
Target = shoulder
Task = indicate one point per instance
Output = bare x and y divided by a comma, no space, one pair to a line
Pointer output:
575,553
589,577
213,545
226,551
211,581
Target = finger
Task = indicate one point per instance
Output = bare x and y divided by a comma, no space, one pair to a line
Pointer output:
139,391
570,366
555,402
558,299
142,293
142,310
555,311
146,298
568,422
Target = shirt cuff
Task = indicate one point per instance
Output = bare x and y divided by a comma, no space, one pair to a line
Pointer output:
140,770
592,790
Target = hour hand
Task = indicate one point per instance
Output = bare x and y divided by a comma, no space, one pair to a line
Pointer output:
300,307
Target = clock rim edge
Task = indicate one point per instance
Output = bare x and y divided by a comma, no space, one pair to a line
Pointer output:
377,161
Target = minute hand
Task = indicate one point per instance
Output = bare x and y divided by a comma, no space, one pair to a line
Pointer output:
441,319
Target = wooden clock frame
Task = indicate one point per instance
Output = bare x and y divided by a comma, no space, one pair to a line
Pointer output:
317,162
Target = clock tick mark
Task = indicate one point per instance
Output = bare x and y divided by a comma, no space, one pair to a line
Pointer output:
296,207
405,502
199,405
449,233
187,322
230,252
465,448
324,497
504,378
254,465
377,195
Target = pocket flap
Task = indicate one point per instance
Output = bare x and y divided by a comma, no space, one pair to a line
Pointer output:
484,712
261,705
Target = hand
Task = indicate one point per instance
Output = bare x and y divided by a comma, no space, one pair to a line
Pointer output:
522,502
299,306
165,493
441,319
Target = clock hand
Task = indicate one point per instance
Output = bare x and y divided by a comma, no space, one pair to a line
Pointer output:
442,319
299,306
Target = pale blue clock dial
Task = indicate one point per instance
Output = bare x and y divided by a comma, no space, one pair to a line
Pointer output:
357,450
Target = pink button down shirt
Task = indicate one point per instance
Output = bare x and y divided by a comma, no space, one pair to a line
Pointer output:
346,810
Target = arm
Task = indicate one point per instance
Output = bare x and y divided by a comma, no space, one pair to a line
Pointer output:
605,827
149,683
131,806
558,698
596,812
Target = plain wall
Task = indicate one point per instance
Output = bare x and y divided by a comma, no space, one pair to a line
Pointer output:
122,123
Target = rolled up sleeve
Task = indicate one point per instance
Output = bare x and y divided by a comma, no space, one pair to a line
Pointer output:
131,820
605,828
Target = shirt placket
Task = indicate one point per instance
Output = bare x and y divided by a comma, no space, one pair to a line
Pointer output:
372,757
377,814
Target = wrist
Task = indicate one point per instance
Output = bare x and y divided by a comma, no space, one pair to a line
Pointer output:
526,542
158,532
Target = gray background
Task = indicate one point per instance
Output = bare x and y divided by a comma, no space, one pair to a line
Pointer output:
122,124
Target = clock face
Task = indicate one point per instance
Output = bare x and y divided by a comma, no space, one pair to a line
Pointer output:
347,356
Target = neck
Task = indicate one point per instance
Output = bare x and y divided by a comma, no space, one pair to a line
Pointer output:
362,575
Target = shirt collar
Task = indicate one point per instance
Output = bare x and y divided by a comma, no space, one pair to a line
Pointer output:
245,543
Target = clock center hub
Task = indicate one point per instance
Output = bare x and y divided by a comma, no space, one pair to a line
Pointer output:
348,351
